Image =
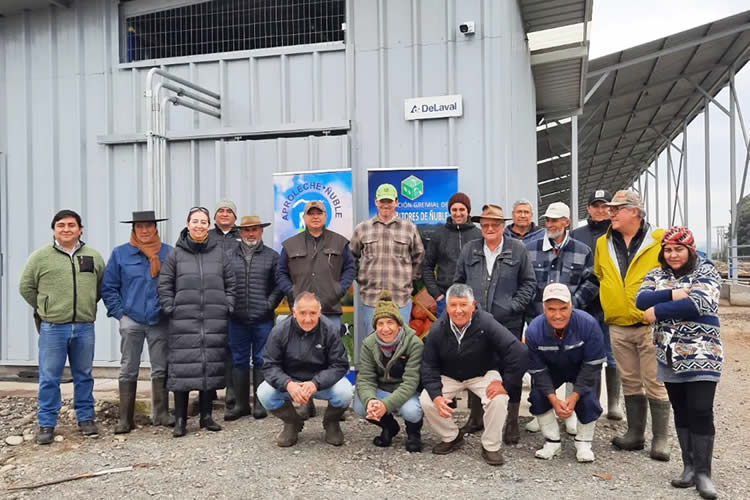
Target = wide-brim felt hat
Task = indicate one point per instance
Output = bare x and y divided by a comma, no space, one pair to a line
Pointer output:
490,211
252,221
144,216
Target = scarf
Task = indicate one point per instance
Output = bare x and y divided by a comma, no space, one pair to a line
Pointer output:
388,348
150,249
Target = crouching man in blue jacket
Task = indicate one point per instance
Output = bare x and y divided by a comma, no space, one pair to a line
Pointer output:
565,345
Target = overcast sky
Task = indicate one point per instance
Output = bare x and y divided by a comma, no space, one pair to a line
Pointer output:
618,25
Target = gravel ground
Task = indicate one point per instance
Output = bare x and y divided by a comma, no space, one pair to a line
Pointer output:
242,460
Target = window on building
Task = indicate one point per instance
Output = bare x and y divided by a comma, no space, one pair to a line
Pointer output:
229,25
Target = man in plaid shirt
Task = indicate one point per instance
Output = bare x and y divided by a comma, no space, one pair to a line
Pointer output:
558,258
388,253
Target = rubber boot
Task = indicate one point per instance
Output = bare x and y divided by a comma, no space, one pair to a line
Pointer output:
180,413
258,410
584,436
307,410
511,432
413,436
332,426
127,407
389,428
229,397
687,478
476,415
206,409
636,407
703,449
160,399
613,393
241,382
293,424
551,432
660,447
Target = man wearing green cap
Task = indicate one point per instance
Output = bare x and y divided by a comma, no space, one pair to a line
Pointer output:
388,253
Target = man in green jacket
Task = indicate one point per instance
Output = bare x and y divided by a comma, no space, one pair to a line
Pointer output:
388,378
61,283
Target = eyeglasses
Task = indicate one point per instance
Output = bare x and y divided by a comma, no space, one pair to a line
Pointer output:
490,225
199,209
615,210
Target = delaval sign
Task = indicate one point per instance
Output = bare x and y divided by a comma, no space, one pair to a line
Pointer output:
440,106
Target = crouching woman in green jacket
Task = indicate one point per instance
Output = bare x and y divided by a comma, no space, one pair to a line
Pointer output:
388,376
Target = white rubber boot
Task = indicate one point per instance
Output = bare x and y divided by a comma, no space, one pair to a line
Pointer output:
583,442
551,432
571,423
533,425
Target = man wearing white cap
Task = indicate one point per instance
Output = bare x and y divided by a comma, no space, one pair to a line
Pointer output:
565,346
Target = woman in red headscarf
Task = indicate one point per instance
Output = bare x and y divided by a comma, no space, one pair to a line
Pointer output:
681,300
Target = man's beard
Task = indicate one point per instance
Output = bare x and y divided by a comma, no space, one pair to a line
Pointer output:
250,243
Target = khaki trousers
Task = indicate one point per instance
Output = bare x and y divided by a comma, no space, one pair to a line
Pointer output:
495,409
635,354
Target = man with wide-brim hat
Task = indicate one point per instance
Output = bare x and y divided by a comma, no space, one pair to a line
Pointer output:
500,273
129,290
256,297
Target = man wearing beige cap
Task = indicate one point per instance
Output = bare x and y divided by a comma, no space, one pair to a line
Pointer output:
623,256
316,260
500,273
565,346
389,254
256,297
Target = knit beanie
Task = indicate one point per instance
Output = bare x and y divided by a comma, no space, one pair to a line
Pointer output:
386,308
226,204
460,198
679,235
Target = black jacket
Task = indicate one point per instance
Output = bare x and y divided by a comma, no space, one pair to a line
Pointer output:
258,294
442,253
228,240
486,345
196,291
293,354
588,234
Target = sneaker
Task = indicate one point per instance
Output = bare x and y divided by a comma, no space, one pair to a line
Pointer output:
450,446
46,435
88,428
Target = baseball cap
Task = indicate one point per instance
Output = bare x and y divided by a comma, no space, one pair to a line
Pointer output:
600,195
557,210
314,204
386,192
556,291
626,199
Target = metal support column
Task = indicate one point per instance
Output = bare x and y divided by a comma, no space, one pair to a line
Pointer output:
733,261
707,183
574,172
684,175
669,186
656,188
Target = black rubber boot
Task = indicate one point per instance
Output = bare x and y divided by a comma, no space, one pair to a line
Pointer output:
511,432
636,407
229,397
206,409
613,393
241,381
307,410
160,399
687,478
258,410
413,436
180,413
389,428
660,446
332,426
127,407
293,424
476,415
703,450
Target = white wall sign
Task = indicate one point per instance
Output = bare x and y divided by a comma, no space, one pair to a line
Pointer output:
440,106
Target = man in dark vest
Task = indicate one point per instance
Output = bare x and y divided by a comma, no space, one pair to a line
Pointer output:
316,260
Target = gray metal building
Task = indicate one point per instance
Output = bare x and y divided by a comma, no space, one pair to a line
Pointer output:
73,117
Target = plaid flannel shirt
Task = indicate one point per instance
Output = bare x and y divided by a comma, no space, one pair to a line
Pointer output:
572,266
388,256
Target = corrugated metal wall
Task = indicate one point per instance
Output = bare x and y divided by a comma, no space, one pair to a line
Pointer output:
64,94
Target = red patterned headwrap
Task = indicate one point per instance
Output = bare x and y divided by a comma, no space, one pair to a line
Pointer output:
679,235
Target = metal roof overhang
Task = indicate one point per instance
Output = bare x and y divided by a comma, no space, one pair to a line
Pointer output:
558,71
637,101
8,7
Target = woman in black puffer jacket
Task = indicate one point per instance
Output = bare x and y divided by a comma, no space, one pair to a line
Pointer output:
196,291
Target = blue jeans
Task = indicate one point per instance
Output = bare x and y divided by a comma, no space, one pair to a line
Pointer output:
607,343
245,337
336,320
75,342
339,396
411,411
368,312
440,307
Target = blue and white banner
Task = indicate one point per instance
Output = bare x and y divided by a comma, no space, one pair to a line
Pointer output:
293,189
422,193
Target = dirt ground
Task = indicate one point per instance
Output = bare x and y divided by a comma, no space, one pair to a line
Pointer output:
242,460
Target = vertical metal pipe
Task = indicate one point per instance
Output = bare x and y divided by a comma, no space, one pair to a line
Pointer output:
574,172
669,185
684,175
707,183
656,188
732,179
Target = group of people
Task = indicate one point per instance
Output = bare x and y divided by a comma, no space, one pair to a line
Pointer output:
554,302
